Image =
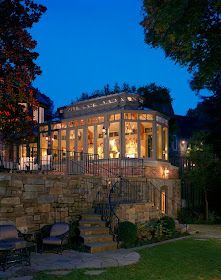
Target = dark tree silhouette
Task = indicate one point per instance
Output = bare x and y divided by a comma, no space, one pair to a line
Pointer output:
190,33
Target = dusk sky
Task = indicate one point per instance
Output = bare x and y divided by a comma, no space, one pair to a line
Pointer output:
84,45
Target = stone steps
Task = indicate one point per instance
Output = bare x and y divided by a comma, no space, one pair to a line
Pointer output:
100,246
91,217
91,222
94,234
93,230
97,238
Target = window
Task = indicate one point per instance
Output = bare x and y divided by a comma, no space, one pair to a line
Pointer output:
145,117
71,141
80,142
38,115
114,141
131,139
114,117
130,116
90,140
165,143
159,142
146,139
41,115
63,142
163,202
100,142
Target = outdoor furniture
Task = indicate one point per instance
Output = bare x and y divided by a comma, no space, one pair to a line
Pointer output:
9,235
58,236
17,253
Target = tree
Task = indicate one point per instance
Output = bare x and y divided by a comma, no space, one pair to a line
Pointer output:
17,68
190,33
202,168
157,98
207,117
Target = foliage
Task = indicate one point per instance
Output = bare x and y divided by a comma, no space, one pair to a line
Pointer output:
201,171
162,228
189,32
17,67
195,216
73,234
127,233
185,259
155,97
207,117
168,225
156,229
143,232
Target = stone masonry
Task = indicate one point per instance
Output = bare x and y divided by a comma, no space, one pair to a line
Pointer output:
31,201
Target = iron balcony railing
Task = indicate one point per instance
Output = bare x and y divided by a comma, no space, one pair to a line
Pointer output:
31,159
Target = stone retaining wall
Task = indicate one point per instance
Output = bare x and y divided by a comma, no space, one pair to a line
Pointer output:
31,201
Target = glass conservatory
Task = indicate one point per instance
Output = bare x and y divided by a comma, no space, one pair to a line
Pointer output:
114,126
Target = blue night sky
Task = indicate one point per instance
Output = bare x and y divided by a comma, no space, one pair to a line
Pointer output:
84,45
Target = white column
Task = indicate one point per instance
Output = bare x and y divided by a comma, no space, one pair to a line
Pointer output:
95,139
68,138
122,135
75,140
138,139
106,137
154,144
85,139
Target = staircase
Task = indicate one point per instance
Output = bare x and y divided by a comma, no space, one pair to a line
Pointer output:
95,235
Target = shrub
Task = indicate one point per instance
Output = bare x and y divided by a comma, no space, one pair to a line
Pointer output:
73,234
156,229
143,232
168,226
127,234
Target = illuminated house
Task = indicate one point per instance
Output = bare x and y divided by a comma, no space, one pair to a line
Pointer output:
113,126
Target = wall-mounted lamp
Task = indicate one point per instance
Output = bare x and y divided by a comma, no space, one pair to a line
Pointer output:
166,172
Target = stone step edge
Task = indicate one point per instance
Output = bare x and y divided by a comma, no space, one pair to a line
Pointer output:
90,238
101,244
94,229
93,216
91,221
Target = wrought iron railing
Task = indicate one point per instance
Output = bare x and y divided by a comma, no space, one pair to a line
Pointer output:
31,159
122,191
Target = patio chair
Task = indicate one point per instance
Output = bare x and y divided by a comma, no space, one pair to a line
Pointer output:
58,237
10,235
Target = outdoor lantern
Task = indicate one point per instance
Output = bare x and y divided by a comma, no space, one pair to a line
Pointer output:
166,172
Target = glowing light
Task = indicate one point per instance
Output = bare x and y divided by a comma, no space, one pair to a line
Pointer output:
166,172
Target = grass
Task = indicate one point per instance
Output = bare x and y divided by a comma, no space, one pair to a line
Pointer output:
182,260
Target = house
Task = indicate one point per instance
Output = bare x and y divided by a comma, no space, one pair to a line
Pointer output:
113,126
19,156
107,154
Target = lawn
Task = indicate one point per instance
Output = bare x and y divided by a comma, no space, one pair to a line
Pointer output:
187,259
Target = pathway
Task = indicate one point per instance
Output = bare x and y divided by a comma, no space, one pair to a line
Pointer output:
206,231
70,260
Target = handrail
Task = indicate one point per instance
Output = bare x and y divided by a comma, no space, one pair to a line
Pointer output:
113,228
